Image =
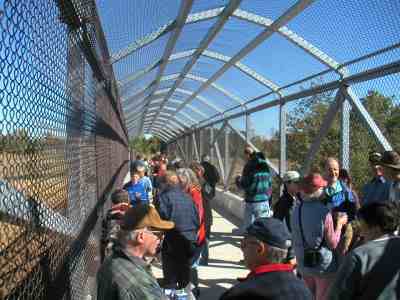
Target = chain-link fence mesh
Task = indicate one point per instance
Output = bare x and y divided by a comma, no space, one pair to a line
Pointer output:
63,148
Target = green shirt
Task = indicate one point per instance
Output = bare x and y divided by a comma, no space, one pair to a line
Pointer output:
123,276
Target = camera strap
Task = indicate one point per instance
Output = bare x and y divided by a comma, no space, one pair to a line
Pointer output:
305,245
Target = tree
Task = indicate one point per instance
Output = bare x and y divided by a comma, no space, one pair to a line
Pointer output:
145,146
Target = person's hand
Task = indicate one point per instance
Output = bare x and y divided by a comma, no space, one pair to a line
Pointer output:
342,219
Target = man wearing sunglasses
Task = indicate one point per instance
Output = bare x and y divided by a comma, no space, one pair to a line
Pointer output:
265,250
126,274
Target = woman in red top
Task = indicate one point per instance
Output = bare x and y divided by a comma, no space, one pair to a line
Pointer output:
191,185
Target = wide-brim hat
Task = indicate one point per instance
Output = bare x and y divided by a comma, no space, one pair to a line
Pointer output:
390,159
142,216
375,158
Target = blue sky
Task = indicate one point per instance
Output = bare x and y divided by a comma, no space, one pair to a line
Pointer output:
342,29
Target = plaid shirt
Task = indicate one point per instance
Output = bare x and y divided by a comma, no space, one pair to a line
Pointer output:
123,277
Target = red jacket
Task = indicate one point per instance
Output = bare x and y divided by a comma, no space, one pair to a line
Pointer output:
195,193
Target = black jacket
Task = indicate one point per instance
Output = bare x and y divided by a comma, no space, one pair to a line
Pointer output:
284,208
269,286
211,174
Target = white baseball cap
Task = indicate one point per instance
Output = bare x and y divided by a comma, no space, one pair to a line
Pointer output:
291,176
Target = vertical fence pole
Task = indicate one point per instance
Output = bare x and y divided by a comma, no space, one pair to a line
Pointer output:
201,141
247,120
196,151
226,158
345,135
211,146
282,139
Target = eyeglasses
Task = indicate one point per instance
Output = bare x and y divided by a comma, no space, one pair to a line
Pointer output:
159,234
245,242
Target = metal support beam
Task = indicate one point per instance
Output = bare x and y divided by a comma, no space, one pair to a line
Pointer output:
181,150
196,151
226,157
220,162
211,34
151,37
201,143
370,74
232,167
161,136
216,136
184,11
282,139
247,116
326,124
367,119
281,21
211,146
345,135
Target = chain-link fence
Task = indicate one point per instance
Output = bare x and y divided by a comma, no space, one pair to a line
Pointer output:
63,148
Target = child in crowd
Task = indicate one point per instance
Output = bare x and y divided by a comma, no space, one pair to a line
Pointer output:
136,189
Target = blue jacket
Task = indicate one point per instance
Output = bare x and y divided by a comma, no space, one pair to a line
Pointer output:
377,190
342,201
132,189
177,206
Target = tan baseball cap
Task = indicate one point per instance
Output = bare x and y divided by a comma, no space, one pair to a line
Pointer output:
144,215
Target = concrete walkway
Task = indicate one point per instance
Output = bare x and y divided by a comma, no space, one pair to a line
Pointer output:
225,254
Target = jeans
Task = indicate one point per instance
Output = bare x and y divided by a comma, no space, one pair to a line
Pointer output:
254,210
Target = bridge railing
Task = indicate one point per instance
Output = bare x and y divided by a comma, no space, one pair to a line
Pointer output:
63,147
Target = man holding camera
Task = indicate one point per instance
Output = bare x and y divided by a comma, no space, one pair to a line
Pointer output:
265,250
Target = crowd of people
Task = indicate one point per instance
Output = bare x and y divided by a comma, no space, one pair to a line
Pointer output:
321,240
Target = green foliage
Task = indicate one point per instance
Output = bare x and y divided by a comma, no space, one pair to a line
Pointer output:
19,142
304,123
145,146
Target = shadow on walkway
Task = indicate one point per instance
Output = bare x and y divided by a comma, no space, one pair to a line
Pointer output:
214,288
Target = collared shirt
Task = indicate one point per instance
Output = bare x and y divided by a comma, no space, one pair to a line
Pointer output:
377,190
270,268
123,276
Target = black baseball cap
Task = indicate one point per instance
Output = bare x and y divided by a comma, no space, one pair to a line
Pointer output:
271,231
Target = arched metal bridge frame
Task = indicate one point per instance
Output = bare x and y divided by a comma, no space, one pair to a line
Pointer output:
175,112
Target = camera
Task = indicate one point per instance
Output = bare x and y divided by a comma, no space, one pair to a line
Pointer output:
312,258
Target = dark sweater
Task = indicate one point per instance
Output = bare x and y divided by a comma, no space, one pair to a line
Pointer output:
278,285
371,271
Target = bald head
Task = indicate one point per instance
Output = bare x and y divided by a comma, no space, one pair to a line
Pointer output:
332,170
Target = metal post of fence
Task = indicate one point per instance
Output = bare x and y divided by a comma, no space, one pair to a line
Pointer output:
226,158
220,162
211,146
196,151
345,134
366,118
282,139
326,124
247,116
